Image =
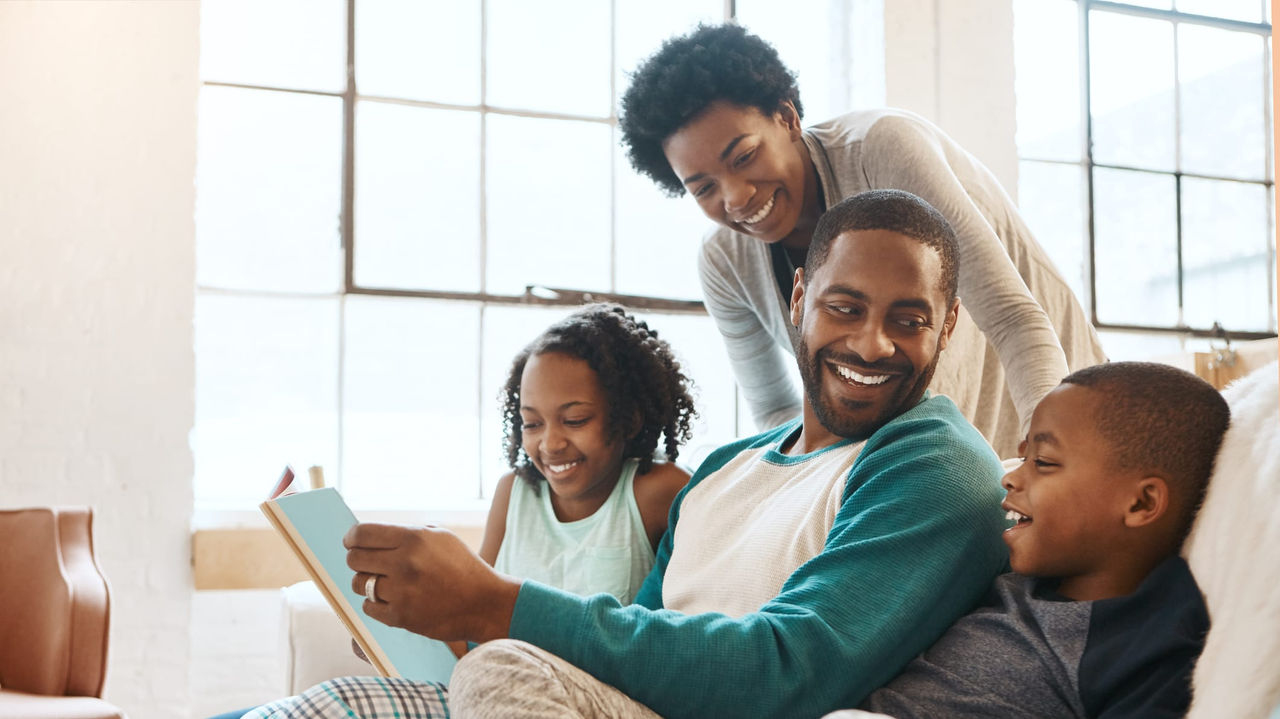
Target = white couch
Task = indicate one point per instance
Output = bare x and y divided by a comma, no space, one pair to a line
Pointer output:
1234,552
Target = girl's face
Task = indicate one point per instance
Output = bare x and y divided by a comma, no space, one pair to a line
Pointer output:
747,171
564,412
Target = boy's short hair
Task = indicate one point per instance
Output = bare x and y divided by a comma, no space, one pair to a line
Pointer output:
1160,420
893,210
688,73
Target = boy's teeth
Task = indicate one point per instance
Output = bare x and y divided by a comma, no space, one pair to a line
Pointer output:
861,378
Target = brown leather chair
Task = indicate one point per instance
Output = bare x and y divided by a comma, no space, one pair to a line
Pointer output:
54,605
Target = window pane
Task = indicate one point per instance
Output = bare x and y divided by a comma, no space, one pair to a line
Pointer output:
1224,125
266,394
1227,253
294,44
417,198
395,59
1047,64
551,56
1158,4
1135,238
507,330
1052,200
1131,90
548,204
409,400
1139,346
1246,10
658,237
268,191
812,49
642,25
704,361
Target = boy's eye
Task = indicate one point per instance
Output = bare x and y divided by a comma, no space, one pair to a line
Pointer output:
1044,463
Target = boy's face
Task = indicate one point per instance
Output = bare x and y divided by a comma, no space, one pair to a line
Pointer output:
1068,501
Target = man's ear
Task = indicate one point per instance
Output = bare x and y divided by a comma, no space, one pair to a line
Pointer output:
797,297
949,324
790,119
1148,502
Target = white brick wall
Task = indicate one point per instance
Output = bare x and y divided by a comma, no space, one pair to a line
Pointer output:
97,160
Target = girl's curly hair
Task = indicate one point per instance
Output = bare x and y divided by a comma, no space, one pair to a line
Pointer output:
688,73
637,372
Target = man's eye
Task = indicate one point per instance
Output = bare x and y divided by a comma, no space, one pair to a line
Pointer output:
911,323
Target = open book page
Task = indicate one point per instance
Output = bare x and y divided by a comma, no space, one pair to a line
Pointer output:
314,523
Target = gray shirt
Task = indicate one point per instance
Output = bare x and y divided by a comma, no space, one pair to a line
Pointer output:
1018,316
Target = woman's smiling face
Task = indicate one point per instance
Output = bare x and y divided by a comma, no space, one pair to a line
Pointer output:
746,170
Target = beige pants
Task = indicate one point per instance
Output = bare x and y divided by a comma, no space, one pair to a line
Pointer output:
509,678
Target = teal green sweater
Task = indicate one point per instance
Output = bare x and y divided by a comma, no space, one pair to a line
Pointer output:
915,544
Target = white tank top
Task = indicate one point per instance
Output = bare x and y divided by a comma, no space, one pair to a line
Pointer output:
608,551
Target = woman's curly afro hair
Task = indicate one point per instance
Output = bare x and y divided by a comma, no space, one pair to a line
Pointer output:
638,374
688,73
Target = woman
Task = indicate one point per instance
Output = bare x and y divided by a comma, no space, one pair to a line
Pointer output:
716,114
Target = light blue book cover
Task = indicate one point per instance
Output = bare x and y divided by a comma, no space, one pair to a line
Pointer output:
318,520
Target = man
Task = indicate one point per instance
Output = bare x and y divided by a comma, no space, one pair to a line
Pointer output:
803,567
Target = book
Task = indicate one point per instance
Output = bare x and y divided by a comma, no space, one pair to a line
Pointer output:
312,523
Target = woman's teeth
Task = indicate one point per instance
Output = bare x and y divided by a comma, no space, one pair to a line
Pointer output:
861,378
763,213
558,468
1018,517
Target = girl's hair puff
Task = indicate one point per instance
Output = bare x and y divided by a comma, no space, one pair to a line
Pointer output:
637,371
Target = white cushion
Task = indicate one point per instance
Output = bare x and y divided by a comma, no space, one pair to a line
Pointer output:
314,644
1234,553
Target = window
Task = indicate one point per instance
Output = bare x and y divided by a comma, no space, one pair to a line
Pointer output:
379,182
1144,132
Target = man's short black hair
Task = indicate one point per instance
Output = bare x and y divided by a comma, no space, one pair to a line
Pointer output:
894,210
688,73
1161,421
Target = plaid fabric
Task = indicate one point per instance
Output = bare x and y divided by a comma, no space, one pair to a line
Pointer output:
361,698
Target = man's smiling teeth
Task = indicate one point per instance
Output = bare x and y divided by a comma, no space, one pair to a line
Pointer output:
861,378
1015,516
763,213
558,468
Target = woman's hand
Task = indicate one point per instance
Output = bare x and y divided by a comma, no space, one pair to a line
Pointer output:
430,583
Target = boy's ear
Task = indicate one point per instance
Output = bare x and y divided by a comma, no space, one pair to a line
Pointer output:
797,297
1148,502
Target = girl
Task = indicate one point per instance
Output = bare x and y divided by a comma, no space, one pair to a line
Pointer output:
585,504
715,113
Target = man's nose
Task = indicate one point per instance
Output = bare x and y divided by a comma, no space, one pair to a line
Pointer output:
871,343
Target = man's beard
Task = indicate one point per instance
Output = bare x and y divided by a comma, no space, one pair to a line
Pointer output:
844,424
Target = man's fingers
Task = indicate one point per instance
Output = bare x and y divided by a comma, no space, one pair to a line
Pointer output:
371,535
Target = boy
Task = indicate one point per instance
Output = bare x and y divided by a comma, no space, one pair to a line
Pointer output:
1102,618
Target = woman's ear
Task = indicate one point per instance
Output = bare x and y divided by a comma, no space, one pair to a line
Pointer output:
1148,502
790,119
